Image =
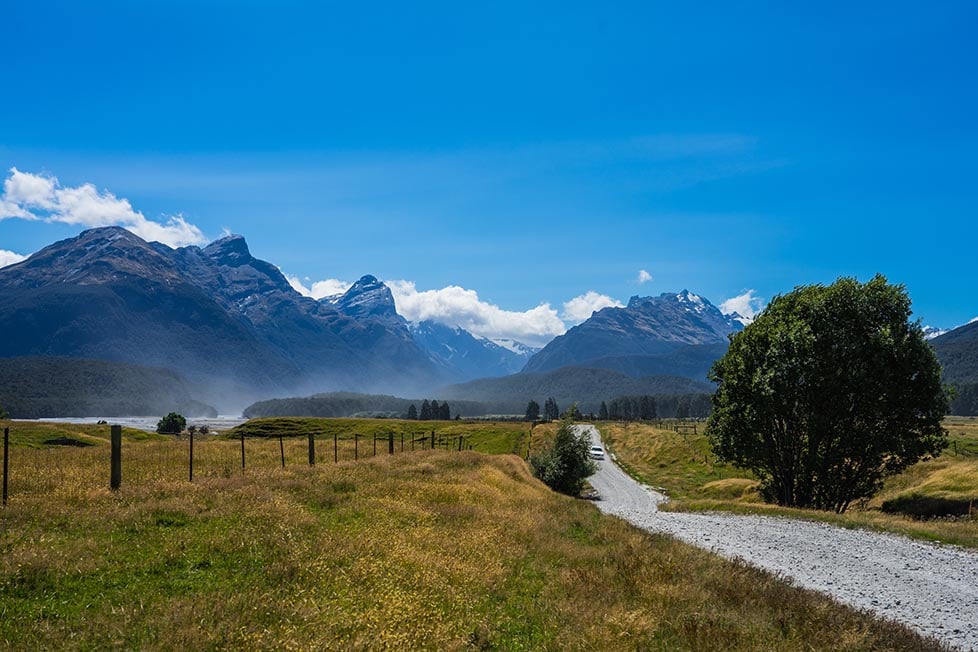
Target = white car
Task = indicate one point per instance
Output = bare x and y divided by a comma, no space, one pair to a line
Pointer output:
597,453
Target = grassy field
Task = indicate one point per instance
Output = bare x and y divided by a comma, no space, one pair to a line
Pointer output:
422,550
483,436
681,465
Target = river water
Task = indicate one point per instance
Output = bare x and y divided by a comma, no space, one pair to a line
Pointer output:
148,424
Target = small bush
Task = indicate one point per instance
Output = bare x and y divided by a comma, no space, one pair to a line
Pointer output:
567,463
171,424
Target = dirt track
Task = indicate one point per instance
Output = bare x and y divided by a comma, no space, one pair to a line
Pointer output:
930,587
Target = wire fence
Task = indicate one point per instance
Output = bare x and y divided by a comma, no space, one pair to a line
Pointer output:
79,466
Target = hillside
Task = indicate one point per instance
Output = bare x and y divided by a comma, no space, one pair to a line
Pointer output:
958,352
35,387
585,386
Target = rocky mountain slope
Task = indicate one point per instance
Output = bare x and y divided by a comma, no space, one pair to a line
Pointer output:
464,356
216,315
958,352
678,334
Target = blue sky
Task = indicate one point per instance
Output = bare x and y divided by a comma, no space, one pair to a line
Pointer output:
529,154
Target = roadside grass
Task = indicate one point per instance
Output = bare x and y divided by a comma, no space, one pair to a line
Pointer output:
683,468
425,550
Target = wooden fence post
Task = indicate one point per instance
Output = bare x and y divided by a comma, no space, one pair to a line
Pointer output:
312,450
191,457
115,479
336,455
432,440
356,446
402,442
390,443
6,459
375,445
281,449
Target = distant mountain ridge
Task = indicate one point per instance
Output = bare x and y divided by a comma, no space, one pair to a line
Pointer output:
466,356
674,333
227,321
217,315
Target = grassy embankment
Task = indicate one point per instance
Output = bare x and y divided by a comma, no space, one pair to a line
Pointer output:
424,550
683,466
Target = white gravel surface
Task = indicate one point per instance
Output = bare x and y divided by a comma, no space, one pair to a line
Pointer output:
932,588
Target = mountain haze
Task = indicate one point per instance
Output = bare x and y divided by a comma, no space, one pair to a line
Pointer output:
216,315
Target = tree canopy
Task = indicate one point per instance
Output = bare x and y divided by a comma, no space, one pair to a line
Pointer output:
828,391
171,424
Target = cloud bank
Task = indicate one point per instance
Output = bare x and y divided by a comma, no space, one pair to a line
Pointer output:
318,289
457,306
580,308
747,305
42,198
9,258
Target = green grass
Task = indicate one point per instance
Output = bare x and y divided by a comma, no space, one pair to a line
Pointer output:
486,437
683,467
37,434
426,550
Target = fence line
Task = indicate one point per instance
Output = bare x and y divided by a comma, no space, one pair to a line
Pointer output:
49,468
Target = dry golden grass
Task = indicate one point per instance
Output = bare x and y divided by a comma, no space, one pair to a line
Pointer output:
683,466
425,550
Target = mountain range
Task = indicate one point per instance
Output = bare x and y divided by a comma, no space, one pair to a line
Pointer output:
232,330
228,322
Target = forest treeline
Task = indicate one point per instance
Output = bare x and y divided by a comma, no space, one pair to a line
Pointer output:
37,387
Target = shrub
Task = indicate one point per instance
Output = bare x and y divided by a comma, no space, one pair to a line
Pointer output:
171,424
567,463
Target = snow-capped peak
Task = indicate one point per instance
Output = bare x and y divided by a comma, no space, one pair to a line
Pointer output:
930,332
696,302
516,347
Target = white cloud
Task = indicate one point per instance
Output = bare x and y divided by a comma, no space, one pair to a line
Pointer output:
9,258
319,289
456,306
38,197
580,308
644,277
747,305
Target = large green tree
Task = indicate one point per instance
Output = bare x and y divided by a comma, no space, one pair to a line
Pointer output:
828,391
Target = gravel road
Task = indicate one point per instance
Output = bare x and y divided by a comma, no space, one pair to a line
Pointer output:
932,588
